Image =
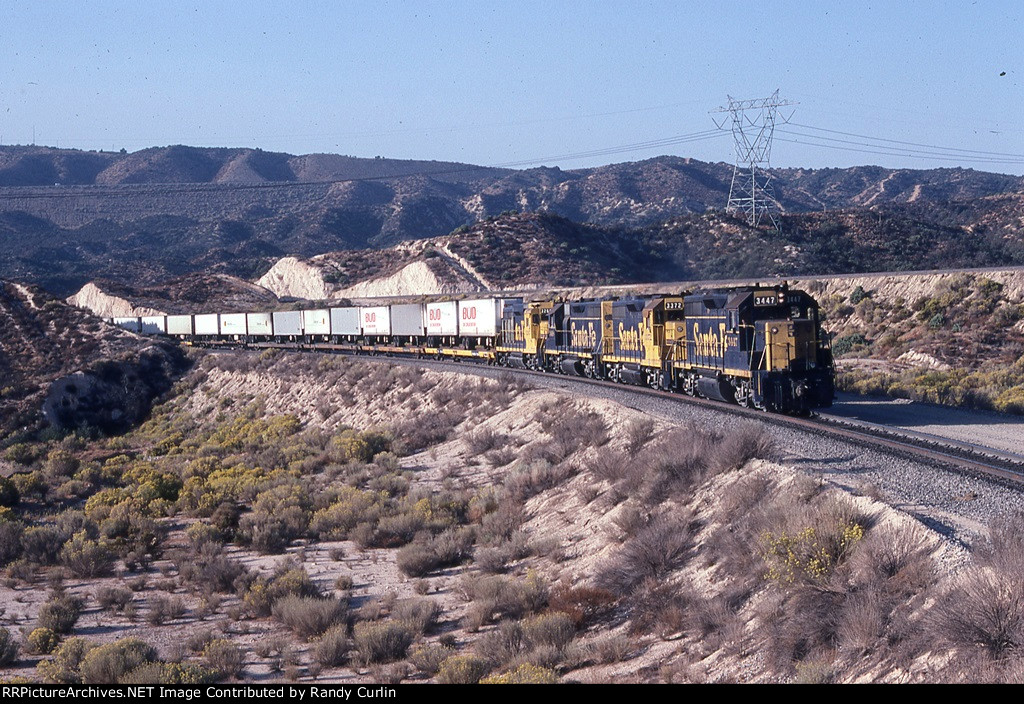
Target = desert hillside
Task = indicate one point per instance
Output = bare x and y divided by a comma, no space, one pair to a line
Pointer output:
63,368
309,517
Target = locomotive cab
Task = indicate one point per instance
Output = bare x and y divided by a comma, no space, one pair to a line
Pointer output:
792,364
759,346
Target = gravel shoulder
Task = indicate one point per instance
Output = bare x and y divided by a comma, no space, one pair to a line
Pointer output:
976,428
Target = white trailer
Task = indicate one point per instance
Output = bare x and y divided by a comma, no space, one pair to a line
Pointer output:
345,322
233,324
316,322
407,319
287,323
443,319
180,325
131,324
480,317
261,324
207,324
376,320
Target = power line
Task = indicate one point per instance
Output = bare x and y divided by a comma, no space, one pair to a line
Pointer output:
637,146
912,144
882,150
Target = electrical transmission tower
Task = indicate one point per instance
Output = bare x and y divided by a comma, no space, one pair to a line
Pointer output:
753,124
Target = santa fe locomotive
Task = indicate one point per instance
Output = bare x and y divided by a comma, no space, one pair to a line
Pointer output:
758,346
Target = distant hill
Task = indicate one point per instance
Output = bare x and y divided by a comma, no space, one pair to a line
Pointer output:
541,250
168,211
192,293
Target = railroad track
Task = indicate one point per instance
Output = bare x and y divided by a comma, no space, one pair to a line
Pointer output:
1006,468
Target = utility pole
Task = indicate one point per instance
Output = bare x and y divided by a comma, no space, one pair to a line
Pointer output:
753,124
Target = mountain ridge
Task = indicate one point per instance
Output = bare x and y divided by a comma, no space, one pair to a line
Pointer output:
166,212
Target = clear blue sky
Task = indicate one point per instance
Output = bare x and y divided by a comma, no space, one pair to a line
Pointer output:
488,82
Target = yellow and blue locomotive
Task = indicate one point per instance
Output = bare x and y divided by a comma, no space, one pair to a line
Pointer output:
758,346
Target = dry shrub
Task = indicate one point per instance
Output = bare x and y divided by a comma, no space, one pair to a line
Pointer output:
114,598
584,605
503,644
422,557
629,520
426,429
428,658
612,649
835,586
862,622
60,613
501,524
672,467
462,669
86,557
330,649
800,626
10,541
657,607
41,641
1005,548
501,456
808,542
418,614
485,440
554,629
198,641
639,432
309,616
574,428
107,664
39,544
652,553
744,496
491,560
819,671
504,597
609,465
163,609
526,673
741,444
8,648
897,560
382,641
985,610
713,618
209,568
526,479
224,657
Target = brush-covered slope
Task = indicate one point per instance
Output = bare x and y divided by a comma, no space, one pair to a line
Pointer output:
63,367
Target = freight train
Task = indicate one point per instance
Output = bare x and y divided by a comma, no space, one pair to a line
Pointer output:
757,346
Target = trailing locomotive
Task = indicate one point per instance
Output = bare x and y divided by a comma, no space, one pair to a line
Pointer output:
758,346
